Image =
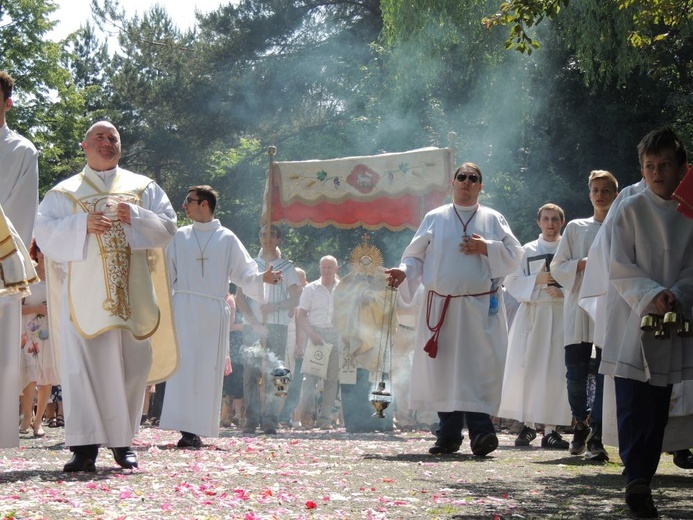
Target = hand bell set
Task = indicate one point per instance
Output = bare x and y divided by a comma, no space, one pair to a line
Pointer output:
663,326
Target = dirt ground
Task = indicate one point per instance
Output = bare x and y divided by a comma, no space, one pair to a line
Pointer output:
323,475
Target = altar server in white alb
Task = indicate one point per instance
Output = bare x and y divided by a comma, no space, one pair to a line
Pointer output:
98,228
650,272
534,389
568,267
268,320
18,198
678,435
203,258
461,253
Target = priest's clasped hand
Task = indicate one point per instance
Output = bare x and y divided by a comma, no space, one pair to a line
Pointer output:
123,212
98,223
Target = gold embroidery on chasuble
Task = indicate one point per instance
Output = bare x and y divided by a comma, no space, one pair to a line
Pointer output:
115,256
112,288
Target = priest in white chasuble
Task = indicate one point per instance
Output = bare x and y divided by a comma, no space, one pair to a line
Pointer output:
461,253
18,198
99,228
203,258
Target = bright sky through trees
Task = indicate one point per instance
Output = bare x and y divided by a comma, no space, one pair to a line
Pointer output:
73,13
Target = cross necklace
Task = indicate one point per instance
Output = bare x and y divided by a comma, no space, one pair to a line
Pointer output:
465,224
202,250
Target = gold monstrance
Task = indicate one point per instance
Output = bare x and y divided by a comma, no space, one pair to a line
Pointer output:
367,260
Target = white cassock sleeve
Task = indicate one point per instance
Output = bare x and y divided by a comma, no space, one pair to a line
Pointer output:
152,224
504,255
413,260
19,190
564,265
632,283
520,285
61,235
244,272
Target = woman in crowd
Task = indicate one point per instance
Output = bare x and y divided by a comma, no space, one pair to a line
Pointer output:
39,372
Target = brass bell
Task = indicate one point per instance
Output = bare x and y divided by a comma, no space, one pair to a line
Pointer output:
649,323
671,320
380,399
662,333
685,330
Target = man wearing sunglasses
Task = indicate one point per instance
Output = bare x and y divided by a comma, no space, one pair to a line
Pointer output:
203,258
461,253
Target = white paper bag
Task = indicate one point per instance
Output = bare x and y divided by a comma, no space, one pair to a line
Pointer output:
315,359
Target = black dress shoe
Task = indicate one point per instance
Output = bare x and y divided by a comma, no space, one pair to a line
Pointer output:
125,457
442,447
189,440
683,459
639,500
484,444
79,462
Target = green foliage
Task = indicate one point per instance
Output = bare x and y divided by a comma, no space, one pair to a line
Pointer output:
427,17
657,21
223,161
611,39
47,104
522,15
642,24
24,51
658,70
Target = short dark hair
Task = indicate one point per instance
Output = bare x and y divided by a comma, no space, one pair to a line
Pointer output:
469,166
273,230
655,142
7,84
205,192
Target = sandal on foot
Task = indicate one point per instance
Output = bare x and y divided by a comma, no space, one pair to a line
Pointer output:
52,422
60,421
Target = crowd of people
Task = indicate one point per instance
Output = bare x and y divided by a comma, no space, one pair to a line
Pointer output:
124,299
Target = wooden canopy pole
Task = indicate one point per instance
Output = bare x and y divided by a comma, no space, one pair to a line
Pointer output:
452,139
271,152
266,238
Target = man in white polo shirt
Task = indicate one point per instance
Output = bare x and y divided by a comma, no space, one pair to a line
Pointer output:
314,316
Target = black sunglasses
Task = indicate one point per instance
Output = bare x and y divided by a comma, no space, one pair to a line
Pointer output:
473,177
